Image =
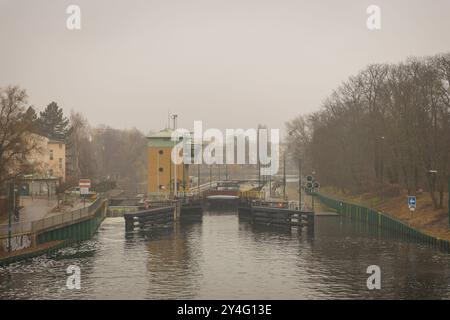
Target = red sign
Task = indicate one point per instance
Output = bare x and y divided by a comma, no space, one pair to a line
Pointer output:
84,183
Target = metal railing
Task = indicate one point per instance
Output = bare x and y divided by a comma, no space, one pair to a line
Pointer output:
52,221
16,228
382,221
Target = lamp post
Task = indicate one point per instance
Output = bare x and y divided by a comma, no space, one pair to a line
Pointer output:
11,207
433,173
175,180
382,169
198,177
284,174
258,165
300,183
210,176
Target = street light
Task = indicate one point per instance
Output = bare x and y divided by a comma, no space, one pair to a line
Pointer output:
11,207
284,173
434,174
174,118
300,182
210,176
382,169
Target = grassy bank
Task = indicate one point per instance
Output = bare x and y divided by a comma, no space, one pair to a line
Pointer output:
425,219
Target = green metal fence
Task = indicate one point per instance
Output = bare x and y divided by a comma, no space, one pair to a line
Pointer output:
388,225
78,231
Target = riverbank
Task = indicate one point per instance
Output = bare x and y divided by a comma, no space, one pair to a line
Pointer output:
52,232
7,258
425,219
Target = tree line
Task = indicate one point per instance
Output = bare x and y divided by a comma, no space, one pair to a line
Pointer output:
385,129
101,153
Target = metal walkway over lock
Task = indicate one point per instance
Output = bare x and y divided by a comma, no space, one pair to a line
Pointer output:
249,205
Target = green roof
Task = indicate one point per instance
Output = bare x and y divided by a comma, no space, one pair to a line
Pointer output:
165,133
161,139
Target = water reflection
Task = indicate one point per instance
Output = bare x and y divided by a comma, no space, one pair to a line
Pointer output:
222,256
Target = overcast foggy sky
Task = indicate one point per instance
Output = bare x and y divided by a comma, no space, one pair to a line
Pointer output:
230,63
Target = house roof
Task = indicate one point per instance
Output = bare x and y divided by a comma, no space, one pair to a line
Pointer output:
161,139
165,133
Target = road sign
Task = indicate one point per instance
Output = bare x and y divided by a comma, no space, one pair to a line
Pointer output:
412,202
84,191
84,183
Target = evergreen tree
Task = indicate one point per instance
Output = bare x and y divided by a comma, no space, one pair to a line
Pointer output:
32,117
52,122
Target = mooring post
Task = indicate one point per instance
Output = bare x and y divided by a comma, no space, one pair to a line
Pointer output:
310,222
129,223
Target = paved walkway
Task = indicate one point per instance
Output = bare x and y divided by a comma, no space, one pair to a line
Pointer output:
35,209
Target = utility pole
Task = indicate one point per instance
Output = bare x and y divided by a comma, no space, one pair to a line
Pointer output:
449,201
382,169
270,186
11,208
300,182
175,180
198,177
258,163
210,176
284,174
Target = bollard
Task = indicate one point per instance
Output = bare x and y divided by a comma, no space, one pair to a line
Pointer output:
129,223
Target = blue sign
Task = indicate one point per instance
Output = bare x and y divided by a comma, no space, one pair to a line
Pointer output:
412,201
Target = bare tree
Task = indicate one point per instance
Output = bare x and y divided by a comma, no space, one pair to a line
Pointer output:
16,126
388,125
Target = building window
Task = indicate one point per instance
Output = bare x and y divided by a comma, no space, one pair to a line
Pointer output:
161,169
51,154
160,152
60,163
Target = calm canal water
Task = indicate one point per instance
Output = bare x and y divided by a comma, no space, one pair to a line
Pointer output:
223,257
